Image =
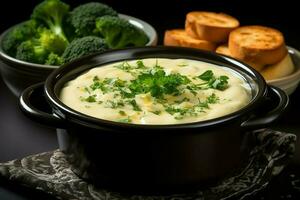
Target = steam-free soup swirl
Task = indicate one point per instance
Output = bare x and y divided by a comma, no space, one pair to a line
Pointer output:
157,91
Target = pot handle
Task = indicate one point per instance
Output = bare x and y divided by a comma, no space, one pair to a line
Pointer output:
31,100
262,121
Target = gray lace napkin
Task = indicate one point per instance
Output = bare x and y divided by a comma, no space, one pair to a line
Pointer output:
50,172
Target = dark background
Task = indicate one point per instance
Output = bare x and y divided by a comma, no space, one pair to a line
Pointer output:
168,14
20,137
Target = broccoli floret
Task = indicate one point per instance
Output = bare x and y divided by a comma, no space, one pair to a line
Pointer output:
51,13
84,46
54,59
18,35
52,42
119,33
37,49
32,51
83,17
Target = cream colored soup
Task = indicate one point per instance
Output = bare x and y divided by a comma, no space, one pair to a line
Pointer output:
157,91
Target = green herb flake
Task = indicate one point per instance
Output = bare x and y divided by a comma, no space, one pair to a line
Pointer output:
212,99
206,76
134,105
121,112
158,83
182,65
125,120
140,64
87,90
96,78
90,99
185,99
115,104
219,83
157,112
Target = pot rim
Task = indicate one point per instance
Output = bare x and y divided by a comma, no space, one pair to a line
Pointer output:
64,111
152,35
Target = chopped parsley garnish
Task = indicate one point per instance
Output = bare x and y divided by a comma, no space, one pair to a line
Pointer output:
125,120
180,113
140,64
99,85
160,85
157,112
206,76
182,100
212,99
219,83
135,106
121,112
115,104
90,99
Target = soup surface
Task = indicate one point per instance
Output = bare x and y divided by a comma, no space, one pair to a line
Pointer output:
157,91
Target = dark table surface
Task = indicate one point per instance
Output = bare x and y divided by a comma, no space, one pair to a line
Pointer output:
20,137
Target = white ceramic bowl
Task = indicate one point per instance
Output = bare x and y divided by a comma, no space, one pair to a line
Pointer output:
289,83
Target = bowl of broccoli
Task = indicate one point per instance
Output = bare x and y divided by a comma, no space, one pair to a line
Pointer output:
55,34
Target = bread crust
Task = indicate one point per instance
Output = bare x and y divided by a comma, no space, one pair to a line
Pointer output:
178,37
224,50
210,26
257,44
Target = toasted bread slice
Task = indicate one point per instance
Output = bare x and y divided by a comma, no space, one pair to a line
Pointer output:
257,44
223,49
283,68
210,26
178,37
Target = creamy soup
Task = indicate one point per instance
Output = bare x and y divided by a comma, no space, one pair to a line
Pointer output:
157,91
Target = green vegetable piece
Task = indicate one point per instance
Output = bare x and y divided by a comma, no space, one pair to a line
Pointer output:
119,33
157,112
125,120
219,83
51,13
83,17
17,35
212,99
84,46
158,83
140,64
51,41
207,75
54,59
135,105
32,51
121,112
90,99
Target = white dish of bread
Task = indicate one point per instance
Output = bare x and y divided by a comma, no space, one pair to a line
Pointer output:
261,47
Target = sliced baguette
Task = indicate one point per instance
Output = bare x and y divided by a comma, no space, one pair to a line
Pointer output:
257,44
210,26
282,68
178,37
224,50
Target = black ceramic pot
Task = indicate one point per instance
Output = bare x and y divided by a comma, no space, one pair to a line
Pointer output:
152,157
